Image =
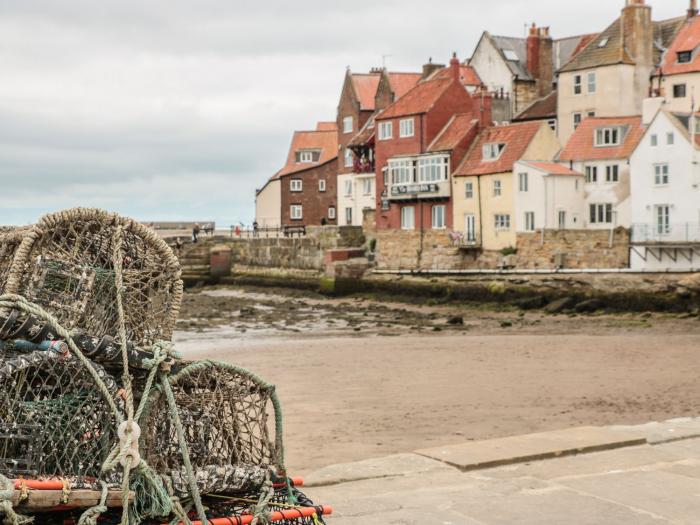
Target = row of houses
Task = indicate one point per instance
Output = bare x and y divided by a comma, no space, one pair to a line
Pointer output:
587,133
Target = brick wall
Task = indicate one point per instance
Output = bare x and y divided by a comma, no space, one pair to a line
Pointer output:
315,203
348,106
581,249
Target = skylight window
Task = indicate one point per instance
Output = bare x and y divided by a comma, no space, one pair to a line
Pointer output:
603,42
510,55
685,56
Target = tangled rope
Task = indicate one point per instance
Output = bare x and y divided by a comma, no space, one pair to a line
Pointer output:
6,494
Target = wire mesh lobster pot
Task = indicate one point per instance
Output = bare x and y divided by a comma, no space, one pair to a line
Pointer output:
54,422
66,264
225,413
10,239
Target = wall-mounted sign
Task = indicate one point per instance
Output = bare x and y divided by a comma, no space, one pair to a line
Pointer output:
413,189
385,204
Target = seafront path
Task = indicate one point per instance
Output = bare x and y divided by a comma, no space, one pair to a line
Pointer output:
647,474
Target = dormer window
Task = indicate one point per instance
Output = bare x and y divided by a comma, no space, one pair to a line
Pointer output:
307,156
608,136
493,150
684,57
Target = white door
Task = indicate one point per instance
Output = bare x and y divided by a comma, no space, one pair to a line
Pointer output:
469,227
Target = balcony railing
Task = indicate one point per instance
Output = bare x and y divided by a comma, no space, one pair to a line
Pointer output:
688,232
465,240
363,166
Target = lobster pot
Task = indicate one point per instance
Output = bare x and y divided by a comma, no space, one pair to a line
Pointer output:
9,241
226,418
54,421
70,264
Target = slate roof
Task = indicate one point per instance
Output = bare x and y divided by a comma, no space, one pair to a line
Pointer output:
418,100
553,168
453,133
687,39
325,141
581,145
540,109
614,52
516,137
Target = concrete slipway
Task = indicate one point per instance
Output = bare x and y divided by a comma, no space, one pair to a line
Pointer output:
648,474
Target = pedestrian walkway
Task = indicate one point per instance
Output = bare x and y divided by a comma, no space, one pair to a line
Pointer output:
648,474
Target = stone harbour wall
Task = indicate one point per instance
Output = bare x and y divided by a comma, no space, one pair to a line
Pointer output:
577,249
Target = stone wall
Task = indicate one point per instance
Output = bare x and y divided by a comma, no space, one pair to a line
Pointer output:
306,253
580,249
427,250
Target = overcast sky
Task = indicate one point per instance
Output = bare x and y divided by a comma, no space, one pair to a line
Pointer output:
180,109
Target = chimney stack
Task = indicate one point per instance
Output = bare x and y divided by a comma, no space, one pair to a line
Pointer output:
693,9
638,32
456,68
430,68
540,63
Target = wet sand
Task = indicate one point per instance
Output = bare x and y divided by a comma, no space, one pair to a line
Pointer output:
349,395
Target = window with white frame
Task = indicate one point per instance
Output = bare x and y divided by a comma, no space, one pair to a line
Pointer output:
348,216
349,158
577,120
612,173
433,169
408,218
601,213
684,57
661,174
670,138
522,182
331,213
577,85
497,188
367,185
663,219
401,171
348,187
385,130
591,174
492,150
608,136
438,213
295,212
502,221
591,82
468,190
348,125
322,185
406,127
295,185
529,221
306,156
654,140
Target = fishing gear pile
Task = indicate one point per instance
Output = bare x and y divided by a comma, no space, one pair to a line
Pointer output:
101,421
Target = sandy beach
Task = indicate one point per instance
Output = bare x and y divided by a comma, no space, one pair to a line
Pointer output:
398,383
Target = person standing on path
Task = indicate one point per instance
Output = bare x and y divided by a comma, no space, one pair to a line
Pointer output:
195,231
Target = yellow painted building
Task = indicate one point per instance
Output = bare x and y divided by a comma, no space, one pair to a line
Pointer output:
484,185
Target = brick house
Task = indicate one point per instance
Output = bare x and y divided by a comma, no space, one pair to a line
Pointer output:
361,97
307,182
419,139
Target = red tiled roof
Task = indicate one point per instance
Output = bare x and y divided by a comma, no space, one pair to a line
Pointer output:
516,137
325,141
402,83
468,75
553,168
366,89
581,145
327,126
418,100
453,132
687,39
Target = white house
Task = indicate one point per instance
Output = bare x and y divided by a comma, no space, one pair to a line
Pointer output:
268,204
665,202
547,196
600,149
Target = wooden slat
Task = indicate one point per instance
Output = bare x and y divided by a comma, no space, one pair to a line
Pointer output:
44,500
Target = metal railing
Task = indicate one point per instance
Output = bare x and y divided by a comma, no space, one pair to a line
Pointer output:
465,240
666,233
284,232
